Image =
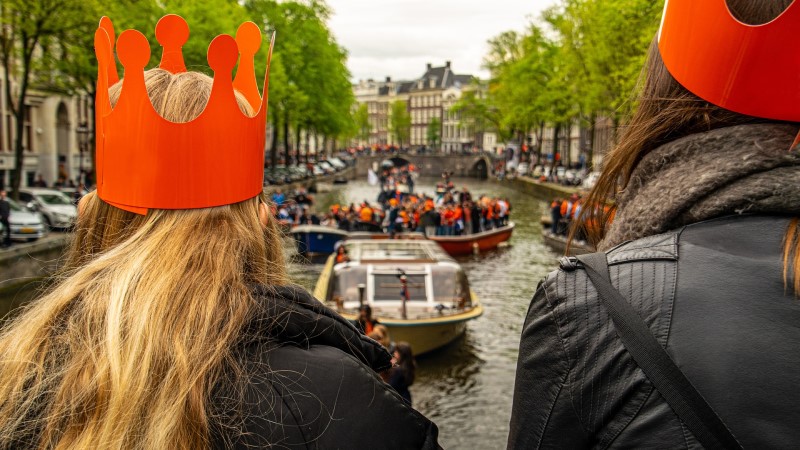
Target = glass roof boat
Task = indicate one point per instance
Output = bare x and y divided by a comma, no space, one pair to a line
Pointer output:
414,288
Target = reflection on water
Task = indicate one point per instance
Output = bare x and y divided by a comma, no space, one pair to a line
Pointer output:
466,388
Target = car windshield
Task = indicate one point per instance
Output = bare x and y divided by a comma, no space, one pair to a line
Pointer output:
54,199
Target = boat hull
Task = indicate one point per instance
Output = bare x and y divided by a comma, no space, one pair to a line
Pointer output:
427,335
559,245
316,240
471,243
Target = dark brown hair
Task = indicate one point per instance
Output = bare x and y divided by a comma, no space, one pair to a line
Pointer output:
666,111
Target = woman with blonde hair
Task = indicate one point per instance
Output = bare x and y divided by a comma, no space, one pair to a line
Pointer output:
173,324
683,332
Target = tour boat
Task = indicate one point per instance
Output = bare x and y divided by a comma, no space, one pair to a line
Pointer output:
413,287
314,240
468,244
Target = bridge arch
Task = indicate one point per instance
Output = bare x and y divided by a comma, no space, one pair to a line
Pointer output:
480,168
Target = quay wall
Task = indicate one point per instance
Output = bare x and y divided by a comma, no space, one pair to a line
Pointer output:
542,190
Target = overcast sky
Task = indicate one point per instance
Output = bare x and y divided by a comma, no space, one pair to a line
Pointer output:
398,37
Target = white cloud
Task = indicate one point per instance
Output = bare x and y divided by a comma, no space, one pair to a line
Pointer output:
398,37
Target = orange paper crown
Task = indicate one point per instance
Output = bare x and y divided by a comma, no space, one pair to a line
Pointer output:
748,69
145,161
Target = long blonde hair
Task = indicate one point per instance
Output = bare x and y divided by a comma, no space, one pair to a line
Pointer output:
124,350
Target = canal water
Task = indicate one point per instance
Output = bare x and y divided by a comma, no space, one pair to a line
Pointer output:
466,388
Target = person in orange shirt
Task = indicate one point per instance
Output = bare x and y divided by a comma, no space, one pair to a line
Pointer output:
366,213
458,219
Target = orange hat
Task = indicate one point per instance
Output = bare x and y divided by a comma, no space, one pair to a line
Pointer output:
145,161
748,69
393,201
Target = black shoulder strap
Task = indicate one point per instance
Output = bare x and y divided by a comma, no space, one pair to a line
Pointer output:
654,361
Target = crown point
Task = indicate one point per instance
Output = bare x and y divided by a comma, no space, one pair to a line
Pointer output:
102,47
248,38
133,49
108,26
223,53
172,31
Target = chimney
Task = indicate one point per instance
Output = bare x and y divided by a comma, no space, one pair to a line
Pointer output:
429,66
447,64
388,79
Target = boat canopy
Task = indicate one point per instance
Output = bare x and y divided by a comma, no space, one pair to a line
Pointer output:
429,286
384,251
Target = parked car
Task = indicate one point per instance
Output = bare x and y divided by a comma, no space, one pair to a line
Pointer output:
571,178
522,169
318,171
26,225
55,206
537,172
338,163
590,180
327,166
561,172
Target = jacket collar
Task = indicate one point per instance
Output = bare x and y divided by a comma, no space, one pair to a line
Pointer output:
289,315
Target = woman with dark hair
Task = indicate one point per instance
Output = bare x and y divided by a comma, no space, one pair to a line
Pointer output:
703,255
401,375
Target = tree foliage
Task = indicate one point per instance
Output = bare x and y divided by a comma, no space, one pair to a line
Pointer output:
434,132
363,125
48,45
400,121
581,59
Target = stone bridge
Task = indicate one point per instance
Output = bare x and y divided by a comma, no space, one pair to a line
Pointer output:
478,165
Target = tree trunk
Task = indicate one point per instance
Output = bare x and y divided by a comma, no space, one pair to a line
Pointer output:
286,153
273,150
308,146
297,148
539,141
325,145
555,143
590,153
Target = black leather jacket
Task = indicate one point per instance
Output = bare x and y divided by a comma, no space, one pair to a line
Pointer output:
713,294
311,384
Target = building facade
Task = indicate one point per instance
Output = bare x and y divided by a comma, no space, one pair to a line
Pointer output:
427,98
55,138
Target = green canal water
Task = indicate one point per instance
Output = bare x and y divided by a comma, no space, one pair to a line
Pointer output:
465,388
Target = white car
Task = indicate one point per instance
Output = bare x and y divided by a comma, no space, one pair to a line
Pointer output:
522,169
25,225
55,206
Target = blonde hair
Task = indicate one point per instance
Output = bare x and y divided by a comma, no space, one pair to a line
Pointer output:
124,350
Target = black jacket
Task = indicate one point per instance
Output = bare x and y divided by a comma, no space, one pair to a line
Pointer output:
713,294
311,384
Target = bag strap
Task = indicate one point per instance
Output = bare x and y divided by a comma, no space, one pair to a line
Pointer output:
656,364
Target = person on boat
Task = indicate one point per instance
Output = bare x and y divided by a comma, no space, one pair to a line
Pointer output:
475,213
365,322
555,215
341,255
173,324
403,371
704,255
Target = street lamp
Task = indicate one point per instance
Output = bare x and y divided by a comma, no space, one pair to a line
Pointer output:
83,146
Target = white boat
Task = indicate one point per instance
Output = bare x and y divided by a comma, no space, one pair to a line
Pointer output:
414,288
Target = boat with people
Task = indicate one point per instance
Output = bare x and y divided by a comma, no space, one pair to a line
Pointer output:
413,287
467,244
314,240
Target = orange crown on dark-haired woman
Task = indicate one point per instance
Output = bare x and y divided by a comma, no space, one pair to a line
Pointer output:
749,69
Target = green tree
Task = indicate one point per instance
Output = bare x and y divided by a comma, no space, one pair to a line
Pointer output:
400,121
361,119
433,132
27,28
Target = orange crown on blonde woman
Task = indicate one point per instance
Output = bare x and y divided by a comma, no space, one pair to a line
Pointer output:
145,161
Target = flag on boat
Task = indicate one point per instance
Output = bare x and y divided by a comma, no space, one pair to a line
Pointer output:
372,178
